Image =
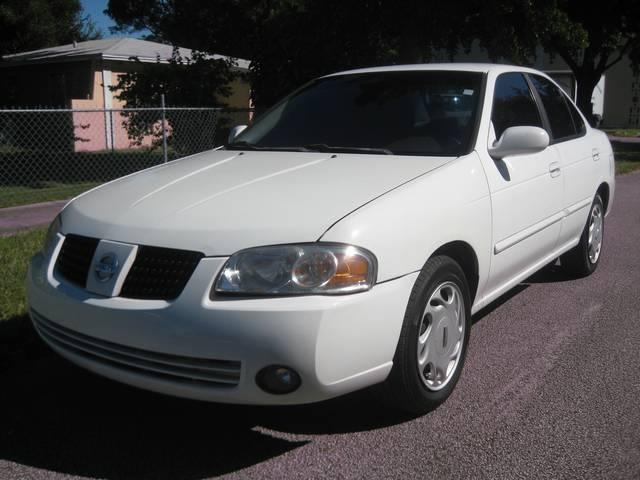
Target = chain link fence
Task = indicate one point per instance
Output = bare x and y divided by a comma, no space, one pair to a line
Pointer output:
50,154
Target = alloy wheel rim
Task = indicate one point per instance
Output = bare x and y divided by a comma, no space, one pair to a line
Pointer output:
441,336
595,233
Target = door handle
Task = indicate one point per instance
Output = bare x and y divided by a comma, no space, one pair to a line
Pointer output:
554,169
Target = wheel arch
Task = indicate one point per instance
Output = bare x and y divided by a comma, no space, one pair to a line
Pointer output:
604,192
466,257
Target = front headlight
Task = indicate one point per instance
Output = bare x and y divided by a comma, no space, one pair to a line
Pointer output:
51,237
315,268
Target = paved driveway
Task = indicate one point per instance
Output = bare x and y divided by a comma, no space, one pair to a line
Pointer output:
13,219
551,389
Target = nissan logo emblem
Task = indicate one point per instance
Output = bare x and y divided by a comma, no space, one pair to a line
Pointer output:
106,267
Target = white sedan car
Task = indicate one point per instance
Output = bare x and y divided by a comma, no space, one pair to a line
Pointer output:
343,240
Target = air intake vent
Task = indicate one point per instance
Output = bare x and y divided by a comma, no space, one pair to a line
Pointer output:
156,274
159,273
74,259
153,365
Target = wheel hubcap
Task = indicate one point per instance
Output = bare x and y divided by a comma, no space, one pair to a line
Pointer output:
595,233
441,336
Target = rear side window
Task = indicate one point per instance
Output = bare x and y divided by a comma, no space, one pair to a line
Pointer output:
578,123
561,119
513,104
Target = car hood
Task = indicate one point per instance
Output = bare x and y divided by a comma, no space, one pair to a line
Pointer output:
221,201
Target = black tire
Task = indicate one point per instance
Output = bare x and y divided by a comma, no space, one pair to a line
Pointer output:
577,261
405,388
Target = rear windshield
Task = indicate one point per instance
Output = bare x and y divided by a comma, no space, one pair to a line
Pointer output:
404,113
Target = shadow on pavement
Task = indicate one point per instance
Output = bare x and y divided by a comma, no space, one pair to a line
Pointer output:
356,412
18,341
553,273
483,312
60,418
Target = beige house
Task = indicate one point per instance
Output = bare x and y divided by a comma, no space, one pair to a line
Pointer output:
78,76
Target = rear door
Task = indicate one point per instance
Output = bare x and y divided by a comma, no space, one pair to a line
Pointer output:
578,157
526,190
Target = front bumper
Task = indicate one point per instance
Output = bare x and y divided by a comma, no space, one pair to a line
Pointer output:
211,350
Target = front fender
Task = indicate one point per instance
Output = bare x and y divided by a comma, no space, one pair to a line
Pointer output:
405,226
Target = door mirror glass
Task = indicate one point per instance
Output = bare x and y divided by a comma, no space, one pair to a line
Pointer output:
235,131
520,141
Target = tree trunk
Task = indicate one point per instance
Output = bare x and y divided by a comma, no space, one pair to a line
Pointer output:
586,84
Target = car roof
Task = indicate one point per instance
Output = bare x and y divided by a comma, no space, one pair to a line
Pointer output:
453,67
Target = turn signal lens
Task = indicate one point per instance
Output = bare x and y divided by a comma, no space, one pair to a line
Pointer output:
353,269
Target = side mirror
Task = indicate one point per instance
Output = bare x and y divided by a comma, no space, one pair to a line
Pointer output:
520,141
235,131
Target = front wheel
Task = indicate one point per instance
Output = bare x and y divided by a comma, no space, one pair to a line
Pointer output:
582,260
434,337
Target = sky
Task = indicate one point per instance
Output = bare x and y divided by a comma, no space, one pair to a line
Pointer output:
95,8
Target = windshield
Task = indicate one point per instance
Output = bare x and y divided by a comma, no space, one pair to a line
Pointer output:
400,112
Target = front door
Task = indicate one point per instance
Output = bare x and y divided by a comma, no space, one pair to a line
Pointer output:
526,191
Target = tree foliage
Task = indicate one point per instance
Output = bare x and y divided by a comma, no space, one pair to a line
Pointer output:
590,37
196,81
32,24
291,41
184,81
302,40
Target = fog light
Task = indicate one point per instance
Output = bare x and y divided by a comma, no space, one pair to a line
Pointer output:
278,380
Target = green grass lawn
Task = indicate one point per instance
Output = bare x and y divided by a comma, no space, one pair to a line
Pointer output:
623,132
35,176
627,157
11,196
623,167
17,337
15,252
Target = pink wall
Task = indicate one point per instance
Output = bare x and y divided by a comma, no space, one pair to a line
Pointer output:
91,133
90,127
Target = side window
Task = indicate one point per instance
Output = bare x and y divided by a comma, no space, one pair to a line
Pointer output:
561,118
578,123
513,104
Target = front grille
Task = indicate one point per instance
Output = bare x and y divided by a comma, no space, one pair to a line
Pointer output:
74,259
162,366
156,274
159,273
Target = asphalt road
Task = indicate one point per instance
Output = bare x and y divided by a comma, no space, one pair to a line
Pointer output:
551,389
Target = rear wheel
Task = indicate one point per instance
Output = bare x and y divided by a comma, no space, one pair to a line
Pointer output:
582,260
434,337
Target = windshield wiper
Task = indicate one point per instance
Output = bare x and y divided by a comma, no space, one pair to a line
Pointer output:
323,147
242,145
314,147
